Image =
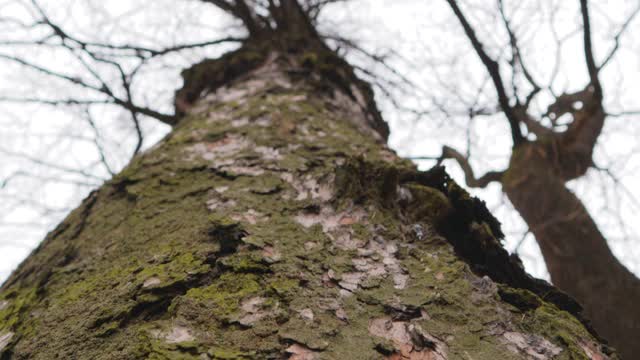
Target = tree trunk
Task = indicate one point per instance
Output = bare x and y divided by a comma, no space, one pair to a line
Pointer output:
576,253
274,223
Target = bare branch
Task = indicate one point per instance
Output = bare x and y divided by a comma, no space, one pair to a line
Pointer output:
127,104
240,11
97,141
39,161
494,71
517,57
617,37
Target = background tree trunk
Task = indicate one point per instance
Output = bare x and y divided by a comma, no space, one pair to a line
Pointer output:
272,223
575,251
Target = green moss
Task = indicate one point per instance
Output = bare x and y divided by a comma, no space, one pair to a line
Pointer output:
428,203
245,263
284,287
520,298
224,296
309,59
176,270
560,327
16,306
227,354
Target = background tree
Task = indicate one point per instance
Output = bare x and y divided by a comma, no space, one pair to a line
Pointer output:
550,148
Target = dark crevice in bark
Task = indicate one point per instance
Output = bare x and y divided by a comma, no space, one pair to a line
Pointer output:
229,237
486,255
401,312
7,354
519,300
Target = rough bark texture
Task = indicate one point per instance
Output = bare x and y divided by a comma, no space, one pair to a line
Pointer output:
273,223
575,251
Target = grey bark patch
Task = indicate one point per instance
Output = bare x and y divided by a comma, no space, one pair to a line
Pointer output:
5,339
309,188
3,304
271,255
268,153
178,334
299,352
218,204
592,350
534,346
306,314
342,315
251,216
253,311
214,151
409,340
150,282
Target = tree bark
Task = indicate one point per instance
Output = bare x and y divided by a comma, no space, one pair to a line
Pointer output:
575,251
274,223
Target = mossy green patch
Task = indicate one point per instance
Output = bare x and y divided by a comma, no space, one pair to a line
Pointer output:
224,295
16,304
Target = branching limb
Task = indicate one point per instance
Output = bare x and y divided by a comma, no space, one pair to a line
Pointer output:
494,71
517,56
98,142
588,49
533,125
469,176
126,103
618,36
241,11
313,7
83,50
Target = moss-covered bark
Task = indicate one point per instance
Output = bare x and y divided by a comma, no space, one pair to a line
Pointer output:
273,223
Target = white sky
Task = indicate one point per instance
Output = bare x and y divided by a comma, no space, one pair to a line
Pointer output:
431,53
